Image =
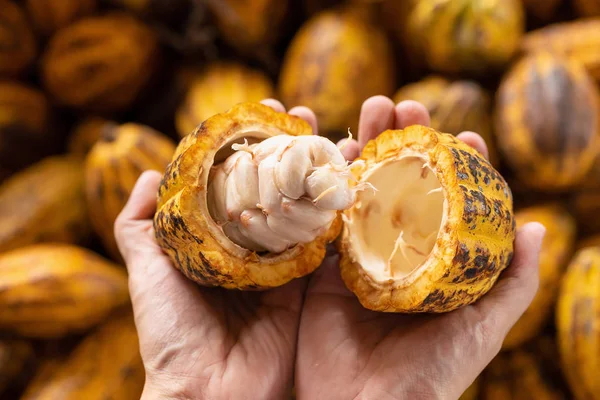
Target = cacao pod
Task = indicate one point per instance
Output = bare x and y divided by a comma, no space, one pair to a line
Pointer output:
578,40
325,66
49,16
454,107
14,357
26,126
217,89
86,134
52,290
105,365
557,249
466,35
578,324
547,121
588,8
43,203
100,63
113,166
168,11
542,9
17,41
585,201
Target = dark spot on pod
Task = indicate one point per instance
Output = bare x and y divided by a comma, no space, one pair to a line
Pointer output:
127,372
462,175
481,261
462,254
435,297
470,273
486,179
497,186
447,274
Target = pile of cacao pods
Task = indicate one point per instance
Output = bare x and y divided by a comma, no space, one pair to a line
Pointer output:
93,92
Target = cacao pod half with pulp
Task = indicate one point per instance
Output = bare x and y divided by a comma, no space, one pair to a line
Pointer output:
49,16
52,290
17,41
334,63
588,8
44,203
113,166
217,89
454,107
557,249
547,121
100,63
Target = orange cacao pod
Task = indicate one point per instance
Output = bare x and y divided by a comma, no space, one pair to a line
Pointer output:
588,8
49,16
17,41
86,134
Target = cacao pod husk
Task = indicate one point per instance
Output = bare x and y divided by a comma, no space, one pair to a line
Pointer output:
325,66
216,90
50,16
588,8
85,135
52,290
105,365
113,166
100,63
17,43
547,121
44,203
15,355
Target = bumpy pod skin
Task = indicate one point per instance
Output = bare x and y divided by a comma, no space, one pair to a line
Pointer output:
52,290
14,357
474,245
454,107
105,365
466,35
113,166
100,63
187,233
44,203
326,68
578,324
557,249
49,16
588,8
216,90
17,43
547,121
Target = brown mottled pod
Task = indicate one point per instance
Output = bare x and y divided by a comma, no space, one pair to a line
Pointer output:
556,251
588,8
577,324
100,63
466,35
17,41
85,134
578,40
334,63
44,203
454,107
14,357
27,131
547,121
105,365
49,16
542,9
113,166
216,90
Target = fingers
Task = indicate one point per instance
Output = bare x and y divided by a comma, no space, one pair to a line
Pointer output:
308,115
409,112
349,148
274,104
376,116
142,201
475,141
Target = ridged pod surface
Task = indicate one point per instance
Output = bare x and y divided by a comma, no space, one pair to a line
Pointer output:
578,324
44,203
588,8
183,225
17,42
466,35
547,121
454,107
473,237
578,40
14,357
334,63
105,365
542,9
556,251
113,166
216,90
49,16
52,290
85,135
100,63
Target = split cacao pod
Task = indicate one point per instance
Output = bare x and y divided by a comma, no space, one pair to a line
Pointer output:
15,355
50,16
100,63
44,203
326,64
454,107
577,324
17,43
113,166
556,253
547,121
52,290
86,134
105,365
578,40
216,90
588,8
466,35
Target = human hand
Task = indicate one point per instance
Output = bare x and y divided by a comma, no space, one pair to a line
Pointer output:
346,351
199,342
